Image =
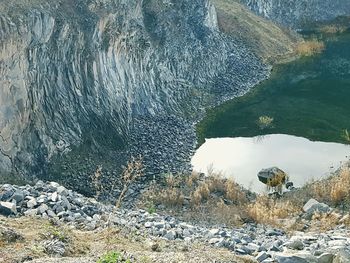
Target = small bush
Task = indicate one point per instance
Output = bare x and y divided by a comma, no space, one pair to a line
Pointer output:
110,257
265,122
58,233
268,211
200,194
333,190
310,47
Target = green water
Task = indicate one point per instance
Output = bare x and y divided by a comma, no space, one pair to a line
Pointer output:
309,97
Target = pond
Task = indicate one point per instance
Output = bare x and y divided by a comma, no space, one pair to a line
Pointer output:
308,98
242,158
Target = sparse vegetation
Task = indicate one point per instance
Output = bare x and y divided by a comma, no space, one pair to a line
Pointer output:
346,136
91,245
133,170
216,199
211,198
56,232
310,47
113,257
333,190
332,29
267,210
265,122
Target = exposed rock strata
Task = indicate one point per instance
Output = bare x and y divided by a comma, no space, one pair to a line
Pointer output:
299,13
79,73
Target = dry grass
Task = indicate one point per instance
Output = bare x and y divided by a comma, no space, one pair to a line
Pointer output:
332,29
214,199
269,211
133,170
328,221
310,47
334,190
88,246
196,197
269,41
346,136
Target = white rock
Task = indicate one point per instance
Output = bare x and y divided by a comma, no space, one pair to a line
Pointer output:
215,240
314,206
7,208
148,224
31,212
54,197
31,203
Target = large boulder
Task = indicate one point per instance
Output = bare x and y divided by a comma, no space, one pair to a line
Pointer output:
272,176
313,206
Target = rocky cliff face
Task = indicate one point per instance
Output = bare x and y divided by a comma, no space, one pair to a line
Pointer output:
79,73
299,13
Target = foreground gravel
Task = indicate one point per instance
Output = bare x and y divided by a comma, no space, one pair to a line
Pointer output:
266,244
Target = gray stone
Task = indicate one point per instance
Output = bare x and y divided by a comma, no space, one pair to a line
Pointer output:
9,235
62,191
186,232
54,185
274,248
54,247
51,213
31,203
213,232
6,192
325,258
313,206
293,258
18,196
159,225
262,256
7,208
42,208
31,212
253,247
170,235
59,209
185,225
295,244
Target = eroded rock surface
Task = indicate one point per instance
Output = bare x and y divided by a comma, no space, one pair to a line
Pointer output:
299,13
78,73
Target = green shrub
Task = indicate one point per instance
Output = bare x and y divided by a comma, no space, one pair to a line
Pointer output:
110,257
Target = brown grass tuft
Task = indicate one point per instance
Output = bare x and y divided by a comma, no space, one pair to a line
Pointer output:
268,211
198,197
310,47
335,190
333,29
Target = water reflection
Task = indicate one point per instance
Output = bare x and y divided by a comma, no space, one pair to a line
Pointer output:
242,158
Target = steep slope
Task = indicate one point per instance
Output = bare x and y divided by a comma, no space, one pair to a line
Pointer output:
269,41
79,73
299,13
